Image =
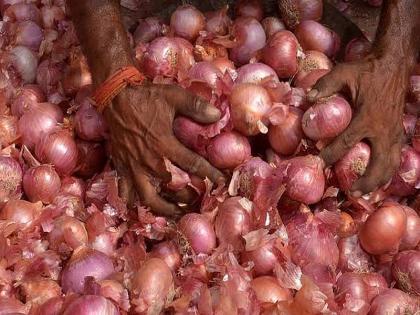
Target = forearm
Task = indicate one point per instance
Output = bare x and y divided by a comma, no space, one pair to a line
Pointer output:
102,36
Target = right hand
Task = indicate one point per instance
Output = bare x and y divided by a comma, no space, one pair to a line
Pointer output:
141,135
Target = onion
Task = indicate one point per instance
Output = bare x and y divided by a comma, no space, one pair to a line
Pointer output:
77,74
41,183
218,22
314,66
10,179
392,301
85,262
250,37
272,25
357,49
383,230
38,122
89,124
160,58
187,22
22,12
352,293
39,291
348,226
204,77
315,36
411,237
294,12
352,165
28,34
73,186
224,65
59,149
199,232
49,75
406,270
148,29
376,284
22,64
305,181
91,305
26,98
281,52
20,211
249,105
69,231
53,306
263,259
167,251
255,73
268,290
151,285
352,257
51,16
286,137
327,118
249,8
228,150
8,130
91,158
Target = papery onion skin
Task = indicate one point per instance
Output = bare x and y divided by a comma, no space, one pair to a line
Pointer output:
199,232
187,22
296,11
91,305
26,98
41,183
272,25
19,211
347,226
22,12
268,290
376,284
352,257
23,63
160,58
327,118
148,29
383,229
311,68
91,158
28,34
280,53
255,73
74,186
406,271
53,306
357,49
224,65
393,302
249,8
411,236
68,230
352,165
10,179
83,263
8,130
263,259
38,290
168,251
218,22
350,286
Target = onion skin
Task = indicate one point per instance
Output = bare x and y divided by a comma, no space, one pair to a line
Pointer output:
187,22
167,251
26,98
352,257
255,73
218,22
249,8
411,237
73,186
272,25
41,183
263,258
406,271
10,179
357,49
8,130
327,118
296,11
19,211
199,232
393,302
350,286
376,284
268,290
69,231
383,230
147,30
38,291
91,305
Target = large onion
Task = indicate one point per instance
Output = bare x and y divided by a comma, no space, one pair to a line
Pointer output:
218,22
199,232
89,124
296,11
10,179
411,237
268,290
41,183
406,271
91,305
187,22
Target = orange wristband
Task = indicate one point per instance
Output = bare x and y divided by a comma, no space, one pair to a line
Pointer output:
112,86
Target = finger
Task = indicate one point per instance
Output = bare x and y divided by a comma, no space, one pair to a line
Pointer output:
328,85
186,196
191,106
125,184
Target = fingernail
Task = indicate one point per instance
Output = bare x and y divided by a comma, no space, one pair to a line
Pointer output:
357,193
312,94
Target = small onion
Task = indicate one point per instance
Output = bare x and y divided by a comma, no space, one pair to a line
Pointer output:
167,251
51,16
249,8
376,284
357,49
327,118
263,259
22,12
347,226
28,34
352,257
268,290
26,98
311,68
411,237
49,75
392,301
8,130
89,123
352,293
161,58
204,77
199,232
294,12
91,305
73,186
38,291
383,230
406,270
41,183
19,211
272,25
91,158
147,30
218,22
187,22
77,74
10,179
22,64
255,73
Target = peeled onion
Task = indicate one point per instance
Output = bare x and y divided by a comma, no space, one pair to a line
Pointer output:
199,232
268,290
187,22
41,183
392,301
89,123
406,271
294,12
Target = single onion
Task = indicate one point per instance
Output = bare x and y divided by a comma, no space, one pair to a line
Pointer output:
91,158
357,49
347,226
315,36
22,64
59,149
53,306
187,22
22,12
263,259
161,58
249,105
250,37
406,270
147,30
69,231
228,150
352,165
376,284
411,237
28,34
383,229
89,123
305,181
91,305
26,98
392,301
272,25
168,251
311,68
224,65
327,118
20,211
4,4
38,122
286,137
77,74
294,12
8,130
281,52
351,255
49,75
51,16
352,293
199,232
10,179
151,285
409,123
218,22
204,77
38,291
85,262
249,8
255,73
268,290
41,183
73,186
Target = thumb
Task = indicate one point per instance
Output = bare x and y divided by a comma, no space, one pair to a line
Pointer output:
328,85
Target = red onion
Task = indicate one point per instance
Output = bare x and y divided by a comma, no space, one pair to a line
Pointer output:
41,183
272,25
224,65
39,291
218,22
294,12
411,237
8,130
10,179
383,230
249,8
352,257
77,74
73,186
250,37
187,22
315,36
22,64
305,181
281,52
204,77
352,165
151,286
49,75
89,124
228,150
406,270
53,306
69,231
376,284
407,177
22,12
249,105
264,258
26,98
357,49
199,232
185,57
314,66
352,293
91,158
160,58
255,73
285,137
268,290
91,305
38,122
327,118
28,34
167,251
148,29
347,226
59,149
20,211
51,16
392,301
85,262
